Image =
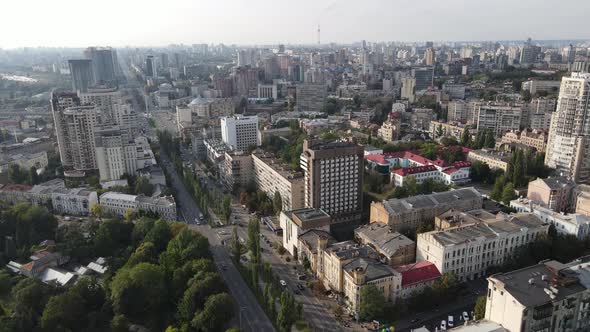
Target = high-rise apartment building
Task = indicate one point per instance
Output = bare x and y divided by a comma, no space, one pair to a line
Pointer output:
239,132
311,97
429,57
82,74
104,98
568,147
115,155
333,175
498,117
104,64
424,77
74,127
150,66
408,88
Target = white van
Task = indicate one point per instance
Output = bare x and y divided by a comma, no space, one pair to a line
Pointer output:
443,325
450,322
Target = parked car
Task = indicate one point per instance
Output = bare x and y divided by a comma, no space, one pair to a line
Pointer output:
465,316
450,322
443,325
283,283
300,287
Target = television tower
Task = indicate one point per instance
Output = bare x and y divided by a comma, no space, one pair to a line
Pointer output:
318,34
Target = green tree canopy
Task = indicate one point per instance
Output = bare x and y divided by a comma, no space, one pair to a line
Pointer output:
218,310
372,302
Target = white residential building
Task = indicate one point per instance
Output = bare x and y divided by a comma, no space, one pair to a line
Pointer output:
239,132
118,204
76,201
568,147
272,176
297,222
574,224
468,251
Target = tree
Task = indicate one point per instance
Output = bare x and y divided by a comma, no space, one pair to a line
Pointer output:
111,236
226,208
145,253
490,141
253,241
372,302
277,202
429,150
497,191
236,246
139,292
479,311
159,235
218,310
143,186
508,193
466,137
518,172
33,176
17,175
195,296
187,245
195,268
480,139
286,316
97,210
410,186
29,299
480,171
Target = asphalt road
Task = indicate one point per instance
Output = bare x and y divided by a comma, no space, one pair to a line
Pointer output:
250,314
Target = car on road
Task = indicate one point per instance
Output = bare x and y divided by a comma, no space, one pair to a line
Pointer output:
451,321
443,325
465,316
223,267
283,283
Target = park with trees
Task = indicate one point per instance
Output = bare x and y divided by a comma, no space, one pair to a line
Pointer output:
160,275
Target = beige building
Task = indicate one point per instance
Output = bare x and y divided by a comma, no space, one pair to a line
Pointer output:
273,176
393,248
295,223
362,272
390,130
449,129
469,251
236,169
25,161
311,246
554,193
411,212
581,199
335,257
536,138
494,159
498,117
333,175
549,296
454,218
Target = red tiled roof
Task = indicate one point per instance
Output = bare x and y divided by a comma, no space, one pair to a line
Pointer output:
440,163
450,170
414,170
16,187
461,164
466,150
418,272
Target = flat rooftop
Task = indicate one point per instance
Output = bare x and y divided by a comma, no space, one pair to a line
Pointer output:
382,238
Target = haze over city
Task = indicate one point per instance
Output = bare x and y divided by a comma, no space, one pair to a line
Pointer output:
70,23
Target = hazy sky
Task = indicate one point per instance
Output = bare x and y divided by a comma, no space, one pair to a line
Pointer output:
79,23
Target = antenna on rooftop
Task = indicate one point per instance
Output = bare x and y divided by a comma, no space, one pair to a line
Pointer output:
319,40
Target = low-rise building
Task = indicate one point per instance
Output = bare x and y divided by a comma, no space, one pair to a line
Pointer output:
449,129
311,246
361,272
393,248
24,160
295,223
494,159
118,204
552,192
215,150
335,257
575,224
415,278
581,199
75,201
549,296
536,138
454,218
469,251
411,212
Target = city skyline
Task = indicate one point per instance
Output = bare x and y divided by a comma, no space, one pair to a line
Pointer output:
267,22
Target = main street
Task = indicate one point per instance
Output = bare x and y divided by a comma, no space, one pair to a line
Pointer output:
252,317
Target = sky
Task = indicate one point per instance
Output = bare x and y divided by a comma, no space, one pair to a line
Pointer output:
80,23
